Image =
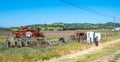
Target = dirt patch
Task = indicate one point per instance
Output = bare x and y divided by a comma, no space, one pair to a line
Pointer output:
59,33
5,33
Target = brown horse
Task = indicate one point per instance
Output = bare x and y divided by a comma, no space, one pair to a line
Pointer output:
79,36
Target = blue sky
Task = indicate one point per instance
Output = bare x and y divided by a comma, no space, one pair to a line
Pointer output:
27,12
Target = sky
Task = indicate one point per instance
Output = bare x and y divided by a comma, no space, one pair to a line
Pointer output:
26,12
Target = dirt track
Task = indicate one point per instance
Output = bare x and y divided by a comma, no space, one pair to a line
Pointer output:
46,33
55,33
75,55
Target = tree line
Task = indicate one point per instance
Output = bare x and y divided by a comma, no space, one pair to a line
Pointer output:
69,26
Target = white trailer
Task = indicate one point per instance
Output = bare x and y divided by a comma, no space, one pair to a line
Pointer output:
90,37
98,35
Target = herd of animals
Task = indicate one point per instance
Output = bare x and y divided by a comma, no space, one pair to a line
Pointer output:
39,37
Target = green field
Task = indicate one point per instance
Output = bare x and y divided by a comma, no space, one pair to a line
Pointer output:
33,54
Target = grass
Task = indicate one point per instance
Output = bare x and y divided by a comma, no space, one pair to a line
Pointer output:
110,38
34,54
117,57
96,55
2,38
91,57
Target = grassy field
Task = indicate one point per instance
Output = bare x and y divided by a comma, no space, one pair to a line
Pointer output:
33,54
116,58
91,57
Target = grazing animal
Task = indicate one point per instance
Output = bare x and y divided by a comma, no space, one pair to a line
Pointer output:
79,36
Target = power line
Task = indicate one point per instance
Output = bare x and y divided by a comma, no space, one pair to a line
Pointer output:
89,10
85,8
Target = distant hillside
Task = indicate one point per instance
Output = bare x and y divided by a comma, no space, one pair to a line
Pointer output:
71,26
4,29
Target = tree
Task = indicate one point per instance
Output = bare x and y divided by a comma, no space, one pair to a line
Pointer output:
39,28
